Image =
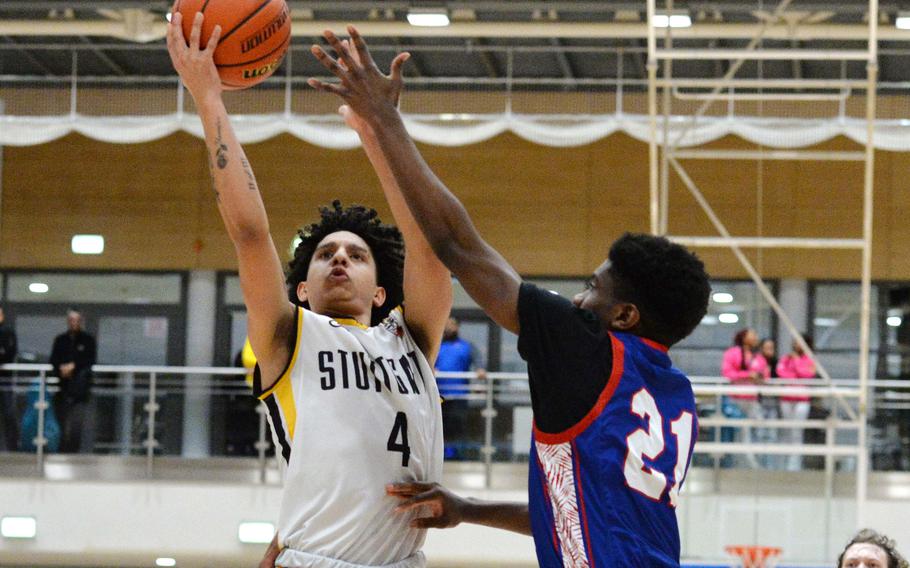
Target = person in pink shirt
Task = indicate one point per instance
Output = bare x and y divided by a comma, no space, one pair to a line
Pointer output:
795,406
743,365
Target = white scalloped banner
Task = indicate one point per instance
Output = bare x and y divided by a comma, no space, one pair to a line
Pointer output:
444,130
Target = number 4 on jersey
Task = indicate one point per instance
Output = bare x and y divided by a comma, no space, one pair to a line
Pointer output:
400,430
649,443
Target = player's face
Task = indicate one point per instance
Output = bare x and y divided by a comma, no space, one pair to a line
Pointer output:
865,555
599,297
598,293
341,279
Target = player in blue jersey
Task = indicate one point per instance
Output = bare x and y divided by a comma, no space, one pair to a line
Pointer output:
614,420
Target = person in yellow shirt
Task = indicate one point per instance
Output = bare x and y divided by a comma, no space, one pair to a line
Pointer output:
248,360
242,420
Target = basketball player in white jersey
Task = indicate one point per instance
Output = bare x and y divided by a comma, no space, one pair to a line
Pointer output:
345,366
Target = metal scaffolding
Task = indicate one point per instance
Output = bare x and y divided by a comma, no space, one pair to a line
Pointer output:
665,155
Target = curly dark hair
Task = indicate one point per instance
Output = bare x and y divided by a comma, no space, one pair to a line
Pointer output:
385,242
667,283
869,536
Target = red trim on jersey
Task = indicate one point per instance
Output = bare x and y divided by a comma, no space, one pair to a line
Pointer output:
655,345
605,395
581,506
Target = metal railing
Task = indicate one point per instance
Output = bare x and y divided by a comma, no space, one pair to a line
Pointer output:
488,397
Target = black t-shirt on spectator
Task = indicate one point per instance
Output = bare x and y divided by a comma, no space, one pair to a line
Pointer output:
8,344
569,356
78,348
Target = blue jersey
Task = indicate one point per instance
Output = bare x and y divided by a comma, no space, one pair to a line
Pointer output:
455,355
606,466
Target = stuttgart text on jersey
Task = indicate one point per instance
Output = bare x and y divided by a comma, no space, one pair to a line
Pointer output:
356,370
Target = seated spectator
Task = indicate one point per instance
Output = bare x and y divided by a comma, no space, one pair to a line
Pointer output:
795,365
742,365
869,549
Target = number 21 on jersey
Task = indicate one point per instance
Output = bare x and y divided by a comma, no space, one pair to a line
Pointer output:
649,443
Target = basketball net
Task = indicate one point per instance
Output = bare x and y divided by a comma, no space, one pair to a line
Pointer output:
754,556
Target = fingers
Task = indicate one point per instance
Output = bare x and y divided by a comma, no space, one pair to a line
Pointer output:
407,488
176,44
354,54
196,31
420,500
341,50
213,40
363,53
175,32
327,61
397,63
327,87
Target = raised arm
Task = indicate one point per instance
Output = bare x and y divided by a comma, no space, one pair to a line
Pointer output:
445,223
270,316
427,282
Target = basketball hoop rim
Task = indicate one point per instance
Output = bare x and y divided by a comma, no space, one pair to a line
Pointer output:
754,556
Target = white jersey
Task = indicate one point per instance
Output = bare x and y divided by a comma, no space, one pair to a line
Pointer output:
356,409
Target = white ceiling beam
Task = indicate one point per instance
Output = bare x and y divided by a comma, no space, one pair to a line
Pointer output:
143,27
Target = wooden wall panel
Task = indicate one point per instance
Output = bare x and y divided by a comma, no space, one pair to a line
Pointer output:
551,211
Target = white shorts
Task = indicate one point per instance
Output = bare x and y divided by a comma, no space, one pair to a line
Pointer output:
290,558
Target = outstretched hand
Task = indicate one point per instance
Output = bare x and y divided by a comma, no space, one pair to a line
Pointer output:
194,64
446,509
367,92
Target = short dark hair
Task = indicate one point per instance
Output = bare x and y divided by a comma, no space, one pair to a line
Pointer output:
385,242
869,536
666,282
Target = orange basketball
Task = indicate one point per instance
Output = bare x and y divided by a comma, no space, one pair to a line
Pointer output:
255,34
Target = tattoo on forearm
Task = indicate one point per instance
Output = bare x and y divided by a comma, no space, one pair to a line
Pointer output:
220,149
250,179
212,175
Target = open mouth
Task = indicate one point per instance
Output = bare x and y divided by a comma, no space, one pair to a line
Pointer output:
338,275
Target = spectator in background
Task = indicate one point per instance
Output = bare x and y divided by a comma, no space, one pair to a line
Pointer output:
73,356
8,350
869,549
768,349
456,355
742,365
248,362
795,365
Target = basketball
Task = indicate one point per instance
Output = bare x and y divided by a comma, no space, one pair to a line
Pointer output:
255,34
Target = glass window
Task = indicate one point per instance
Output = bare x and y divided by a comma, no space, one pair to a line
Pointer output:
36,335
132,340
233,296
734,305
836,327
77,288
837,317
